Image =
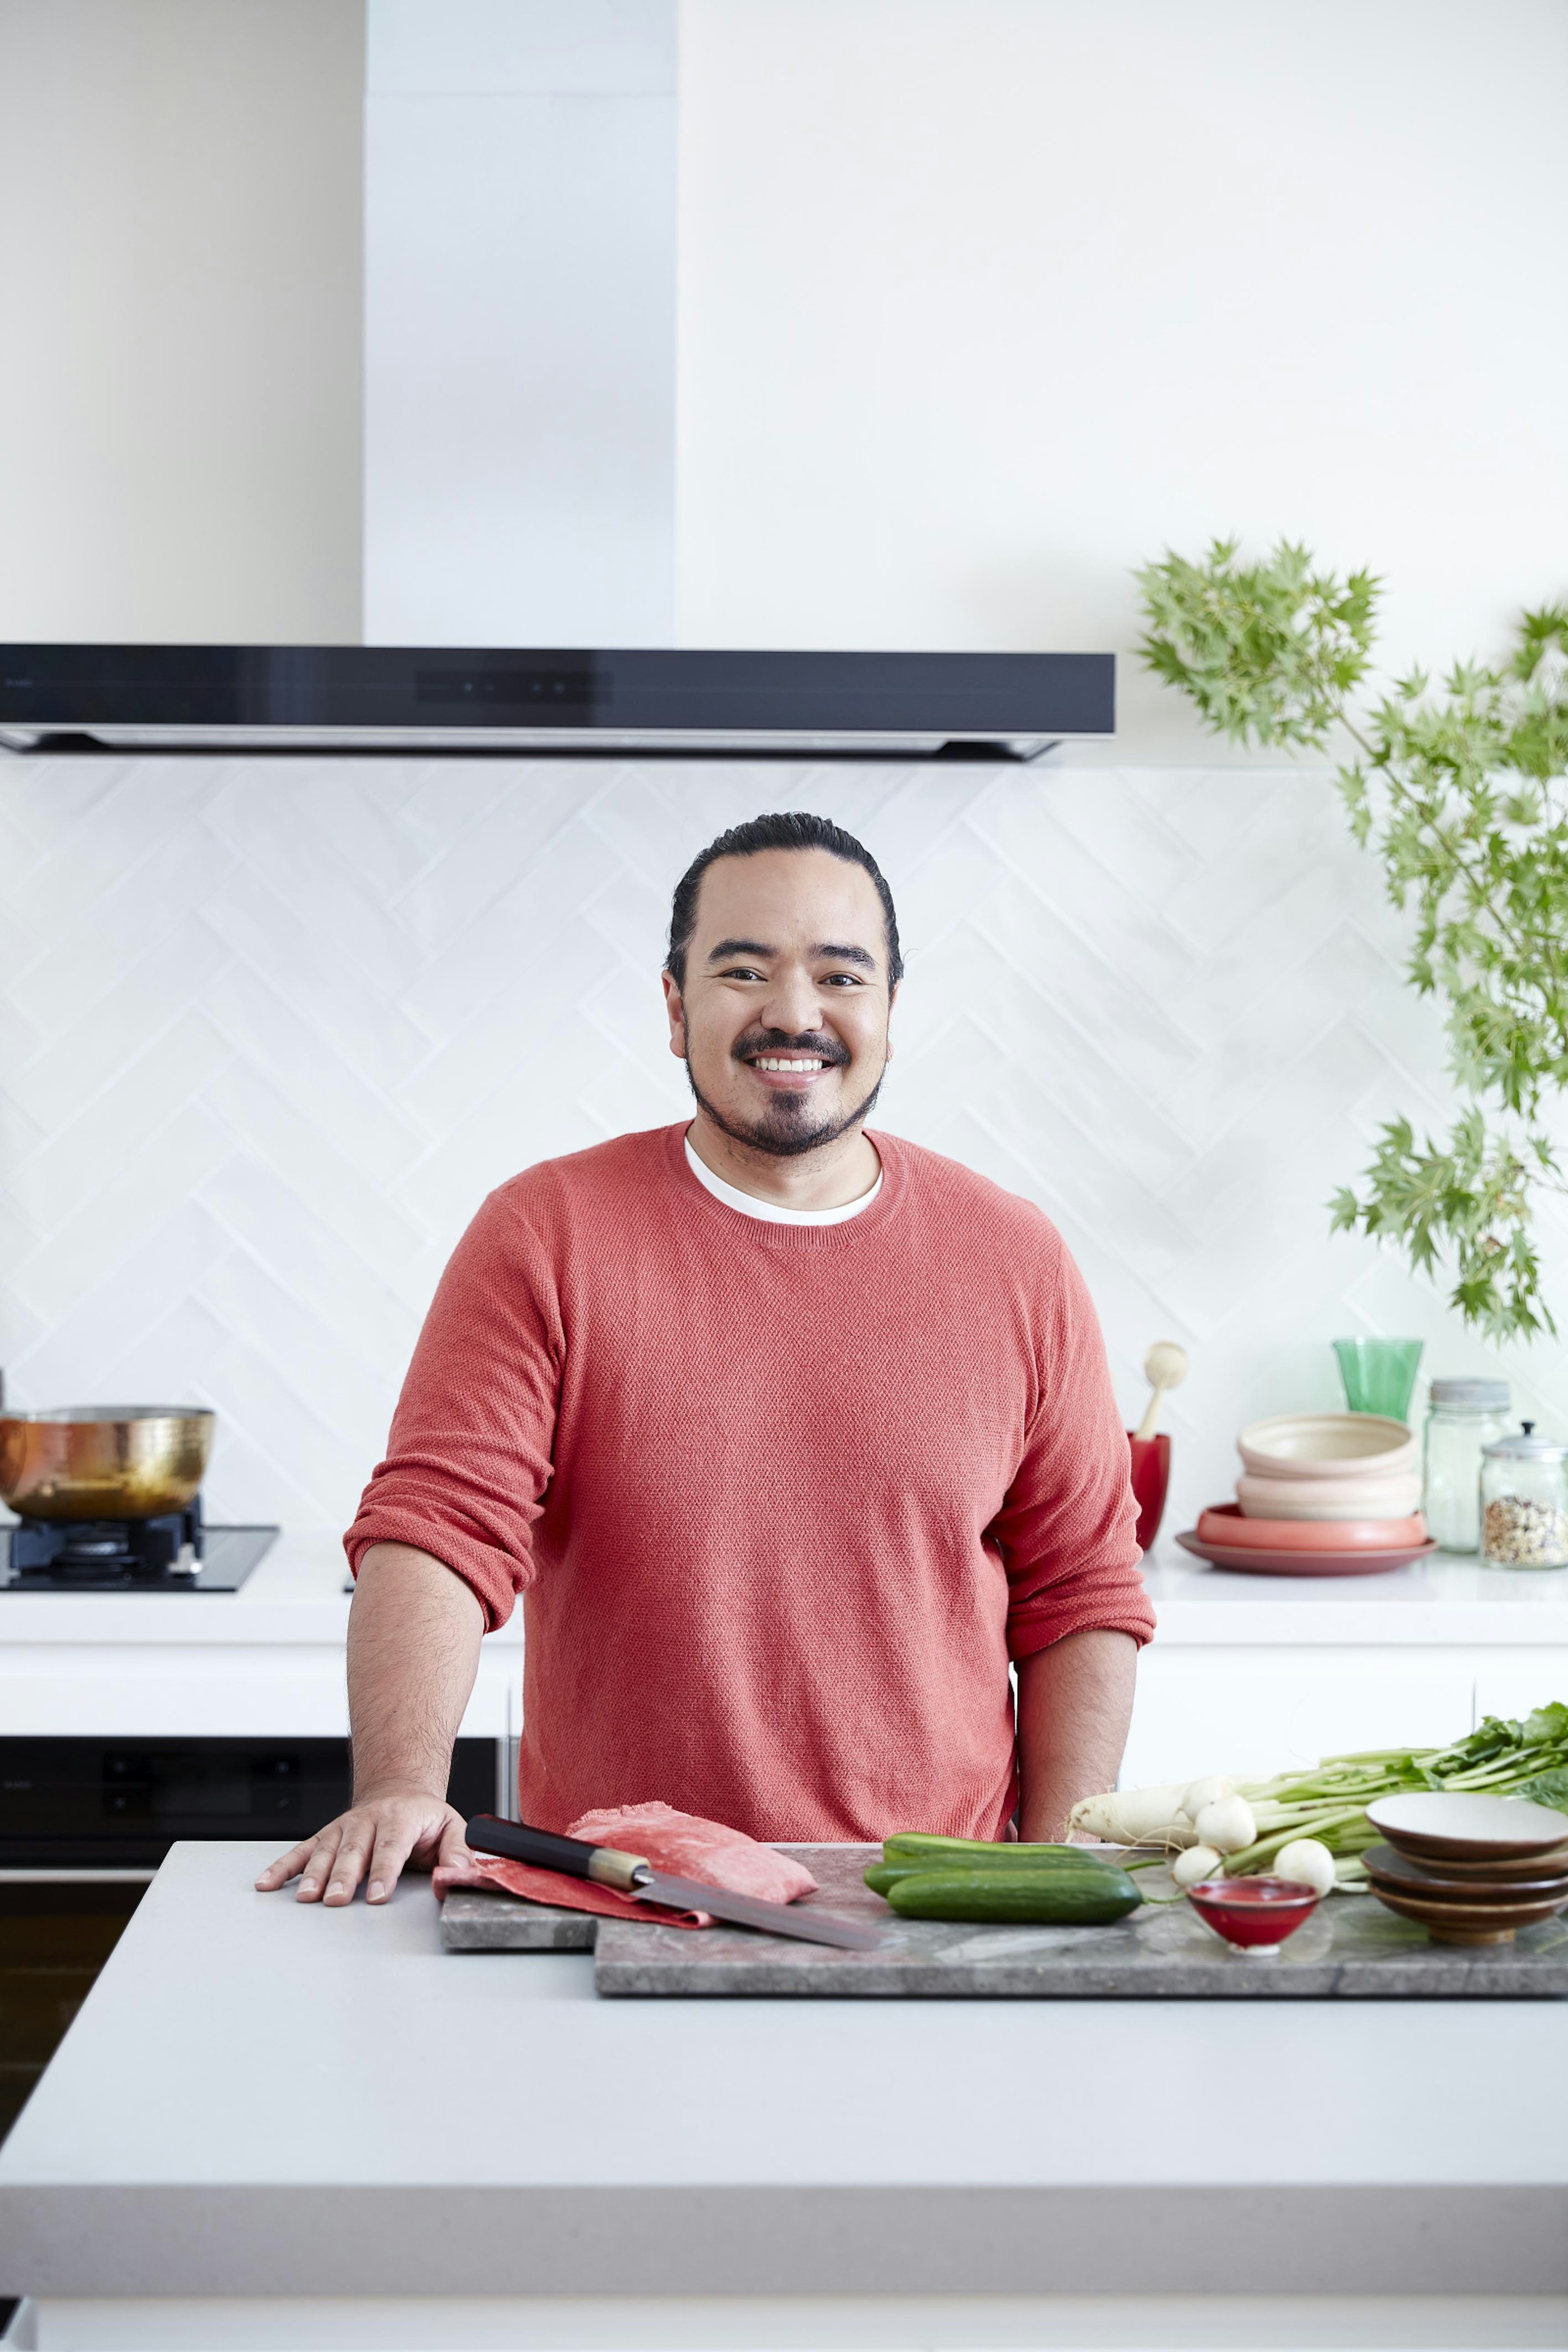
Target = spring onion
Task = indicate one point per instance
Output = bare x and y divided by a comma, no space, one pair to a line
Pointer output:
1327,1803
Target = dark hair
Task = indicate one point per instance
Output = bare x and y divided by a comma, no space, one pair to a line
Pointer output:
789,829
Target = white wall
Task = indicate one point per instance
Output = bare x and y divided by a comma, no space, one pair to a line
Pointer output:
981,303
520,322
271,1029
982,300
985,302
179,371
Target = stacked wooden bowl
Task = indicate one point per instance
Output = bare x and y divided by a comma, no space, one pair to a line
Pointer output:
1321,1493
1470,1869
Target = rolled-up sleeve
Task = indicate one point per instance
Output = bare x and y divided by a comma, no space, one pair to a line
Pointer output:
469,1456
1067,1528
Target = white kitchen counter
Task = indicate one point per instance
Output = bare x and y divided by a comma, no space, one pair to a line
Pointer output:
1446,1600
267,1661
261,2100
296,1597
1247,1673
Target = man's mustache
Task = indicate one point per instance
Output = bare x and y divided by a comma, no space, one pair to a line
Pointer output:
816,1044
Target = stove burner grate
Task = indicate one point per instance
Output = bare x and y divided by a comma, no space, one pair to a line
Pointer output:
106,1550
179,1553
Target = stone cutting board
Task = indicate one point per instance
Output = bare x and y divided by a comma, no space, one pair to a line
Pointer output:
1351,1949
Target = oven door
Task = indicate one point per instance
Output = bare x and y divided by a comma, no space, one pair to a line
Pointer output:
84,1824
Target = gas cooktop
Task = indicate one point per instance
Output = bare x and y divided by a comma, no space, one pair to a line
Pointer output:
177,1554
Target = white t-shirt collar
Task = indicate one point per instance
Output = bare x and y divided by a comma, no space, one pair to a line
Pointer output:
748,1205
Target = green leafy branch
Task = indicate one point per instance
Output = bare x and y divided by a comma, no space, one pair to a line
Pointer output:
1462,794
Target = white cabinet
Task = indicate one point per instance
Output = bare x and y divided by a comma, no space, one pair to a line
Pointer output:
1252,1711
1513,1681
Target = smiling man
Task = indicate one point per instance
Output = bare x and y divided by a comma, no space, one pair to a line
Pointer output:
791,1438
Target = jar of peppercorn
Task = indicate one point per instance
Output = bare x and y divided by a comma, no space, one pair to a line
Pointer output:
1524,1500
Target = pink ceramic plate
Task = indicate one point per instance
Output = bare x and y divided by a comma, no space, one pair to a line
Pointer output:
1253,1561
1224,1523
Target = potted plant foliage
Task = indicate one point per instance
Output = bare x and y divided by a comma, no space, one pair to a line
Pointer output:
1461,793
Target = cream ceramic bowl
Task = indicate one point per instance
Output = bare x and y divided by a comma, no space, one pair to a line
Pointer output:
1329,1498
1330,1445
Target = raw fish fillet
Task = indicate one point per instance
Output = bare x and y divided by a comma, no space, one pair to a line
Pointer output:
688,1847
682,1843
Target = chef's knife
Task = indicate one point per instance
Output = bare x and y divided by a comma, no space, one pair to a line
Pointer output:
628,1874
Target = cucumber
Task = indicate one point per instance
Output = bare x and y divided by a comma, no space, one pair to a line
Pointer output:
916,1845
995,1860
1093,1896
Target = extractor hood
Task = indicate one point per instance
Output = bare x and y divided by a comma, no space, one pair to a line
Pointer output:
449,699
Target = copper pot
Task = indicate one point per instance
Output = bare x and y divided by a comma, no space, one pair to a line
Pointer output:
103,1461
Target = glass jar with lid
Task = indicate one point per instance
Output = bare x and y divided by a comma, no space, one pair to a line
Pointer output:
1524,1500
1462,1416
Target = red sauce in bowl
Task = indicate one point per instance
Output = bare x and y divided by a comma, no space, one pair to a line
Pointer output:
1255,1914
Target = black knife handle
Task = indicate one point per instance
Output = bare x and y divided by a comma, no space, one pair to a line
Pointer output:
488,1834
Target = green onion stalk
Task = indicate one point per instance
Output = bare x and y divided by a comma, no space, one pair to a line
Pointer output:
1528,1758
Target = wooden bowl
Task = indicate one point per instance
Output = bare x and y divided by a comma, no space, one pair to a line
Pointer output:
1440,1825
1499,1872
1491,1922
1387,1867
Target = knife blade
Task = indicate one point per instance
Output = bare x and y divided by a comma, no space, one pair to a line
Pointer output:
633,1875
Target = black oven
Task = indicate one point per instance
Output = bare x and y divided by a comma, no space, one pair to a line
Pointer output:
109,1804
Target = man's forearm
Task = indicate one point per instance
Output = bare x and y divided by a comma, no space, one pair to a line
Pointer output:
1075,1703
413,1650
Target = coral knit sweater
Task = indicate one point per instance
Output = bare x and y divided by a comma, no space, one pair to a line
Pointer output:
780,1501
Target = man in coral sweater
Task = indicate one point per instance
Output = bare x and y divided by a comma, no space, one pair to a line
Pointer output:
791,1437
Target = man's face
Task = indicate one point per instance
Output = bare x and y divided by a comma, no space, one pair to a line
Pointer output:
782,1022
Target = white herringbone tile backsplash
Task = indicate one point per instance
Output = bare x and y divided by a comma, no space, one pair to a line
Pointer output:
273,1027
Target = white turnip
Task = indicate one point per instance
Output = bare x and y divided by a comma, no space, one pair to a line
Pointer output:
1198,1863
1227,1825
1308,1862
1207,1791
1133,1817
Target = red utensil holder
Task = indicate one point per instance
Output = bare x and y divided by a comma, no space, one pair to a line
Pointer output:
1151,1478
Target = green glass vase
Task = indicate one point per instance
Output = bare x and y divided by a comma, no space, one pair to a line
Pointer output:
1379,1375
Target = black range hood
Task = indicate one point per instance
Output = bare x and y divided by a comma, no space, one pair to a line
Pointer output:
399,698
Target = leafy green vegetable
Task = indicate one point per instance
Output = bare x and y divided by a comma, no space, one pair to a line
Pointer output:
1502,1757
1462,794
1547,1788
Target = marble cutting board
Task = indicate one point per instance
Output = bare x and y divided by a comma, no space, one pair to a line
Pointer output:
1351,1949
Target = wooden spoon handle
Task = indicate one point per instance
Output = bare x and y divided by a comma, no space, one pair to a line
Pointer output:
1150,1414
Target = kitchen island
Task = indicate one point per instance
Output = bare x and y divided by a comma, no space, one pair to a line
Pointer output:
272,2125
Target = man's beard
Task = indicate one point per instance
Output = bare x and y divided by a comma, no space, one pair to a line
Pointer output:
788,1128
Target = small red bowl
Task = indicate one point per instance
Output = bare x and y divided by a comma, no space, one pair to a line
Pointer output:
1253,1914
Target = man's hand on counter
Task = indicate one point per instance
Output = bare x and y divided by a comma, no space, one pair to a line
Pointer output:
414,1647
383,1831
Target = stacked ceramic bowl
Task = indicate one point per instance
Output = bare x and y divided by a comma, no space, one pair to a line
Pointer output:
1469,1869
1321,1493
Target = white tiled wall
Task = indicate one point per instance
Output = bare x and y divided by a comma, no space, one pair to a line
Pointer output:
271,1028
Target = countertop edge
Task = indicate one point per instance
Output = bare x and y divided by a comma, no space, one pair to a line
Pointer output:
190,2238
